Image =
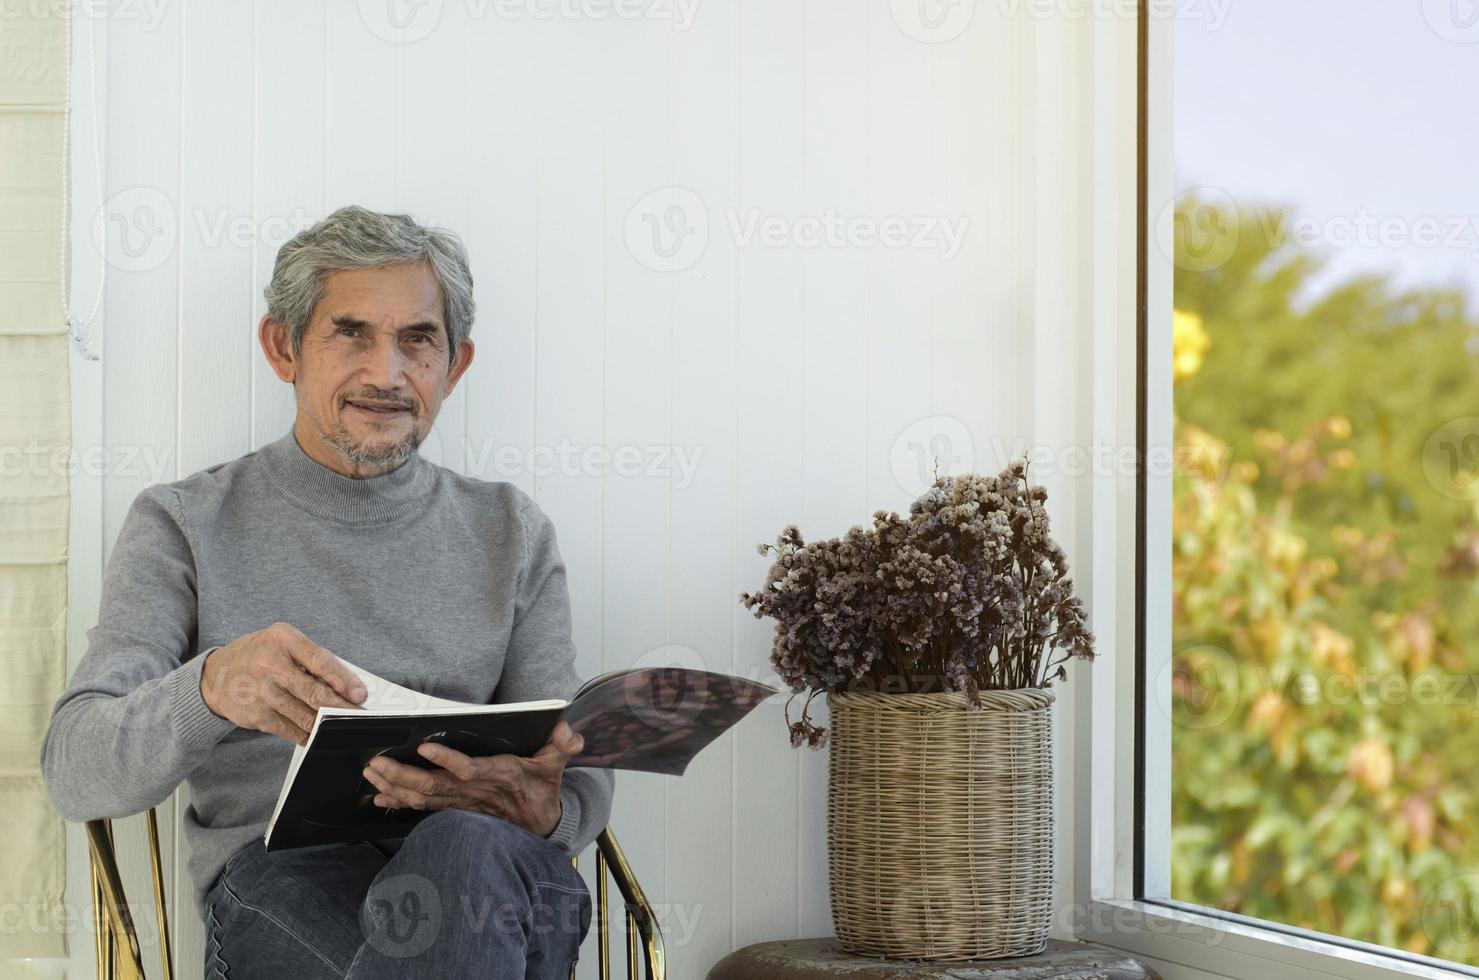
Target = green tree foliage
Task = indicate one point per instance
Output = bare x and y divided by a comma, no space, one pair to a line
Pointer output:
1326,628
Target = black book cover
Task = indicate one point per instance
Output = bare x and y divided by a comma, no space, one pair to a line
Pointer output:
331,801
653,719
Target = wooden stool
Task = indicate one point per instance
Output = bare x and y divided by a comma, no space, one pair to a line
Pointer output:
823,959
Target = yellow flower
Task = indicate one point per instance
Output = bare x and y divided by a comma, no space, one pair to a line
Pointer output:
1398,893
1324,567
1332,649
1371,762
1285,547
1245,472
1199,454
1189,343
1267,711
1268,441
1415,642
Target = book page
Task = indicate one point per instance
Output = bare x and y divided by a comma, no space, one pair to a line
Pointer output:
381,694
656,719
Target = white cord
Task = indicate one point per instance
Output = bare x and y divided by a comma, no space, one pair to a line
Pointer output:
75,324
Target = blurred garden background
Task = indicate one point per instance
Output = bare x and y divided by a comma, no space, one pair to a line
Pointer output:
1325,686
1327,634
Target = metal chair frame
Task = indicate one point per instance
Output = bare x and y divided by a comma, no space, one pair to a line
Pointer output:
120,958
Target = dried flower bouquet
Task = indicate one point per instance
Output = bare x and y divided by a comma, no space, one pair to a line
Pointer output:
969,592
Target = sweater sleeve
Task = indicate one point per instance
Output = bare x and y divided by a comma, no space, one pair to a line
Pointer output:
131,725
540,663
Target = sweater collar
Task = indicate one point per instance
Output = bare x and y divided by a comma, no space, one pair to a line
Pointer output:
320,491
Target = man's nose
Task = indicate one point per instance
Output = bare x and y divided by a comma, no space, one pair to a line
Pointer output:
387,365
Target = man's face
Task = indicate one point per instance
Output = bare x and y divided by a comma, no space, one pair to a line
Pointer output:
373,369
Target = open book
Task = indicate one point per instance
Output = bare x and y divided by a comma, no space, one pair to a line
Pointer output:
653,719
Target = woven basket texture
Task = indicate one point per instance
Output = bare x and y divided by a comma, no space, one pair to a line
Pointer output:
940,824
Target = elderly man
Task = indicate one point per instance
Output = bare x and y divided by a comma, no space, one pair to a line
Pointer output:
232,593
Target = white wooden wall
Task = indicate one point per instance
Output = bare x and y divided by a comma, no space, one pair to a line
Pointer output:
807,379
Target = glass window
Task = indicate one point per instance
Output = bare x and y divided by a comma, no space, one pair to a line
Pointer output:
1325,515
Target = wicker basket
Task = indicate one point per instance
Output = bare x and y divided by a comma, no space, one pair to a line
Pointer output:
940,824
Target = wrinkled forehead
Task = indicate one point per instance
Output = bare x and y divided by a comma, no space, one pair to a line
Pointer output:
387,297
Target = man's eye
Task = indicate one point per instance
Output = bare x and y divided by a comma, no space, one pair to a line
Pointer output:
421,338
349,331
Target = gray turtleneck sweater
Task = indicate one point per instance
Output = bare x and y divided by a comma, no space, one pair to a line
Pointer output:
439,582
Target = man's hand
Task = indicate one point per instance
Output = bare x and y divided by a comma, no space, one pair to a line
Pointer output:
275,680
522,791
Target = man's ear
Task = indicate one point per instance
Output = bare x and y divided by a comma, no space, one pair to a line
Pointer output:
277,343
459,364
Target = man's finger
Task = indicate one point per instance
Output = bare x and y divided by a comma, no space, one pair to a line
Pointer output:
277,724
409,778
286,704
321,663
564,745
405,796
501,769
375,779
391,799
413,801
385,787
313,692
464,767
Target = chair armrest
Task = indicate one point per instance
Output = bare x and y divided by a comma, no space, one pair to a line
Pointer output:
640,917
121,937
119,954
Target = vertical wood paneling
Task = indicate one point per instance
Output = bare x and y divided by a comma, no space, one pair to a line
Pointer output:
707,553
972,317
834,360
1055,313
570,325
900,165
771,438
217,234
362,116
797,378
502,240
1061,415
143,186
288,173
636,398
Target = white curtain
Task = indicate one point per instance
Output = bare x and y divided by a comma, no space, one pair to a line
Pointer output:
35,440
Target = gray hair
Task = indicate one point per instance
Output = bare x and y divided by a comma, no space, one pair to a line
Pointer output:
358,238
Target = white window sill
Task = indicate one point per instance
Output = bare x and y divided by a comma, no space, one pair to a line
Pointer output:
1227,948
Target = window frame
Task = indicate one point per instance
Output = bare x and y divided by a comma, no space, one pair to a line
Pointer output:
1121,737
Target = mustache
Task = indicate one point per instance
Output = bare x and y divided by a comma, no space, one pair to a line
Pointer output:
383,400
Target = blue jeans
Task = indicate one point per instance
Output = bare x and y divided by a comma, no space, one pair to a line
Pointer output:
462,895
